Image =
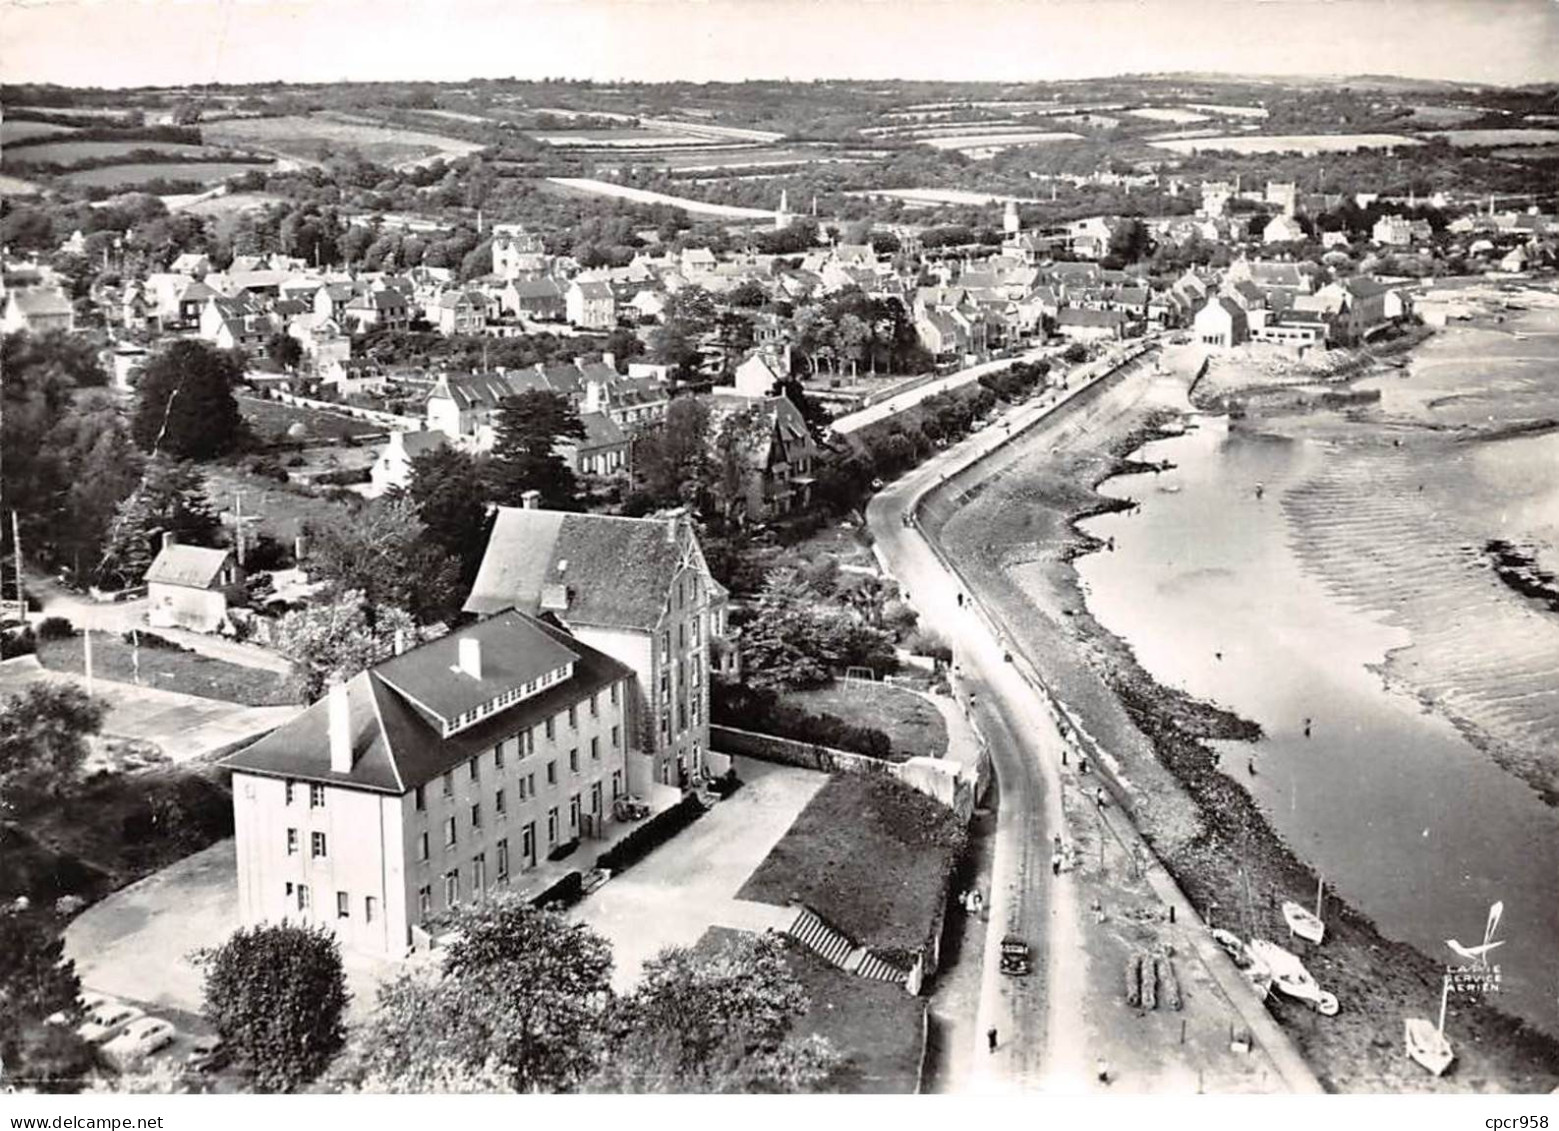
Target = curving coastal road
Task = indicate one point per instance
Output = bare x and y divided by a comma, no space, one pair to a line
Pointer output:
1055,1026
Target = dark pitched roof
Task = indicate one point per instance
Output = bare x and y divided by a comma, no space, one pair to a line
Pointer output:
395,746
619,570
1073,316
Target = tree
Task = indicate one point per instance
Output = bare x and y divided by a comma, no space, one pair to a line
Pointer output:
171,499
523,991
781,646
185,404
285,350
384,554
45,1058
525,454
43,742
330,643
36,979
277,994
449,490
674,461
714,1022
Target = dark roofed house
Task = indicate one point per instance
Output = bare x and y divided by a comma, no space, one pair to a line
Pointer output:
39,311
603,451
637,589
190,586
1079,325
437,776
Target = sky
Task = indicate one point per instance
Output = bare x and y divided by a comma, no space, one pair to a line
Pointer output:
171,42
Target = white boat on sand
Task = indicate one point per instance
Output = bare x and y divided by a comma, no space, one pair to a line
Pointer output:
1290,976
1256,972
1303,923
1426,1043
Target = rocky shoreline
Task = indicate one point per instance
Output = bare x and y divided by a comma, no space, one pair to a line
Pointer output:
1205,828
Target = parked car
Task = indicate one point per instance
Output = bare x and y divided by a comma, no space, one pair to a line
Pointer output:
107,1021
85,1004
1015,956
208,1055
142,1037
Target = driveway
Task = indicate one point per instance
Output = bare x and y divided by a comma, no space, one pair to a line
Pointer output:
689,884
136,944
184,727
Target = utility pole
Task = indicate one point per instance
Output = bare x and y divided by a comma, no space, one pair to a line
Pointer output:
16,549
238,522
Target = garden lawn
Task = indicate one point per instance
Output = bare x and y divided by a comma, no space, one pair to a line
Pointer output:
281,508
172,669
914,726
875,1027
869,855
271,419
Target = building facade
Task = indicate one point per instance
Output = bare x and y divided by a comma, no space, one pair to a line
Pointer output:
429,780
637,589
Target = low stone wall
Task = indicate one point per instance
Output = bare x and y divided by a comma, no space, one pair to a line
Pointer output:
940,779
390,420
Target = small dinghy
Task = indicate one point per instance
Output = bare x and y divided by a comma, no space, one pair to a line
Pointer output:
1290,976
1426,1043
1302,922
1256,972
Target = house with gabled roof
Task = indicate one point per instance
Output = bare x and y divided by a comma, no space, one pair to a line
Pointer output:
436,777
603,451
41,310
591,304
637,589
191,586
776,449
385,309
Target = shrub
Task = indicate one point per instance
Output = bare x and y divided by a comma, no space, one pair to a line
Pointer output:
653,833
924,643
343,478
55,628
17,642
569,890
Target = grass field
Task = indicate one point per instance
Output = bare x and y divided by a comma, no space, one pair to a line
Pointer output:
271,419
281,509
1170,114
228,204
1290,143
67,152
915,727
316,138
1466,139
869,855
998,140
206,172
13,131
15,186
169,669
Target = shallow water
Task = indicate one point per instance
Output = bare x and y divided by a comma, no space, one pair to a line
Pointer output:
1405,818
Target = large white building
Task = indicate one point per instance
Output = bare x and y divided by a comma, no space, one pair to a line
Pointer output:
430,779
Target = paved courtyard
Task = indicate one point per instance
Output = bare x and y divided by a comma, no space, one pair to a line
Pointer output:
674,895
136,943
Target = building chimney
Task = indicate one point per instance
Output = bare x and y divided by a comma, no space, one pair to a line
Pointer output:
471,656
531,500
340,709
169,539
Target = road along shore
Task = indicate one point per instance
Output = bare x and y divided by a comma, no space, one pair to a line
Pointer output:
1009,527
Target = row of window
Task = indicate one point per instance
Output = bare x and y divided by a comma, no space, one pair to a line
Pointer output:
687,632
452,830
316,794
513,695
317,844
527,781
305,900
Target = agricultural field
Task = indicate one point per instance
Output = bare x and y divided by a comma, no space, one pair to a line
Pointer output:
15,186
69,152
1230,111
13,131
1290,143
934,197
1442,116
1470,139
206,172
105,112
317,138
984,142
228,204
619,139
1169,114
644,196
271,421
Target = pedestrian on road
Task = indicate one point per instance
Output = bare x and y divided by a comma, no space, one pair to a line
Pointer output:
1055,863
1103,1070
990,1038
1082,763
